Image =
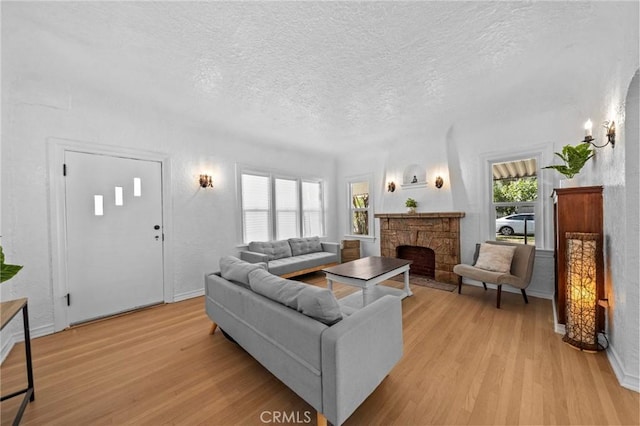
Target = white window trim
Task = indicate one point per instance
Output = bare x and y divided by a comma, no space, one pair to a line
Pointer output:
541,222
273,175
355,179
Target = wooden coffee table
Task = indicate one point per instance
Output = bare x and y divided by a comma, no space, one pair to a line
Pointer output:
367,272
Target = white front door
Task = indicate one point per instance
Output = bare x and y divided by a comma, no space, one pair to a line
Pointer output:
114,234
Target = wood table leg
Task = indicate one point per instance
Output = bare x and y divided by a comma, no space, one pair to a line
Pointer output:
213,328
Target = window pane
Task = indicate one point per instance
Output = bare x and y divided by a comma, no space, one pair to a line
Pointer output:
256,226
287,217
515,197
286,194
287,224
359,193
255,208
255,192
360,222
311,196
515,181
312,220
312,224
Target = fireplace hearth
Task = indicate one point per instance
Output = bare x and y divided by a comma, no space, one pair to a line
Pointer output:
438,233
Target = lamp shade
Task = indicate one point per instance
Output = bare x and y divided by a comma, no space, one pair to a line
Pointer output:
582,300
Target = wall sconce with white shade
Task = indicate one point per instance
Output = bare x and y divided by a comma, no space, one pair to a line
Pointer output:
611,133
206,181
582,301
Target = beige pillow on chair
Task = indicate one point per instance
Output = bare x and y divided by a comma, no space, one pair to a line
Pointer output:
495,258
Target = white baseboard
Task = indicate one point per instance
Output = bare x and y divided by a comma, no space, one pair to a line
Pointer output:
625,379
188,295
7,345
538,294
18,336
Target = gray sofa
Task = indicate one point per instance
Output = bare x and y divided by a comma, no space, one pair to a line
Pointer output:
292,257
332,356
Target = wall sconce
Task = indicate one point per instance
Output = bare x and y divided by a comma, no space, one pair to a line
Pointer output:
611,133
439,182
582,300
391,187
206,181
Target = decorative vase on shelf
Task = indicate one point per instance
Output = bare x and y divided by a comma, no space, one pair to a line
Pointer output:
411,210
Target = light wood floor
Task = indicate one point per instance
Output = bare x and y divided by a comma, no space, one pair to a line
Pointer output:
465,362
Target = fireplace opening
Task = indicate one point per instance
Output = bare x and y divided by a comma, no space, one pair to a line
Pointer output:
424,259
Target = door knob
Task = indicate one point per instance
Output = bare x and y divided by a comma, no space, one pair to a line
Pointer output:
156,227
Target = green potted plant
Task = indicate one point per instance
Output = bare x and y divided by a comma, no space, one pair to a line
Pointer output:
411,205
574,157
7,271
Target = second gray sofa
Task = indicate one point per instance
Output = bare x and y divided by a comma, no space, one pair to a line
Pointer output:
292,257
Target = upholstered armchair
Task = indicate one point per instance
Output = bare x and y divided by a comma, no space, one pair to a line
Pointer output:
493,264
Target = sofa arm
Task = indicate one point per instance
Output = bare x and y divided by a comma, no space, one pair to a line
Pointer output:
333,248
253,257
357,354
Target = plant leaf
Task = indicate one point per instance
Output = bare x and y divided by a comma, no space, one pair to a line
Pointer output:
7,271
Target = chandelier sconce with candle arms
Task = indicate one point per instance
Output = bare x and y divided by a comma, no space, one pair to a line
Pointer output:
611,133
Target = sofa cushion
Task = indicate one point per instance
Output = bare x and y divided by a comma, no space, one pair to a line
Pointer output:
236,270
273,249
495,258
315,302
305,245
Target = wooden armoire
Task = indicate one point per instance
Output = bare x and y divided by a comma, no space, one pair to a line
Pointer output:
577,210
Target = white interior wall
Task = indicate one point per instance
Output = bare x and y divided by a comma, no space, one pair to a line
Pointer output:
622,234
205,222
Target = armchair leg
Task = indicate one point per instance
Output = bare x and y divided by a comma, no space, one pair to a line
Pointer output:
213,328
322,420
524,294
499,294
484,285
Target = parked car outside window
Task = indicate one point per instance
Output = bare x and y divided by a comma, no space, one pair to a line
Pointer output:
514,224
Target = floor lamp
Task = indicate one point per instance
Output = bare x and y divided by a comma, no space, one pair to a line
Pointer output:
582,300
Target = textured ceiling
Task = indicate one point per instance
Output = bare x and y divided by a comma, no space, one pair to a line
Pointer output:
327,75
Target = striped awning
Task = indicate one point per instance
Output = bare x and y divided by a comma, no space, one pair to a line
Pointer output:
515,169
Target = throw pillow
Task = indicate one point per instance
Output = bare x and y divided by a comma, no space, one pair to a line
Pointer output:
495,257
315,302
305,245
273,249
236,270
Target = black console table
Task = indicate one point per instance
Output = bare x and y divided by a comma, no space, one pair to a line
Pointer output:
9,310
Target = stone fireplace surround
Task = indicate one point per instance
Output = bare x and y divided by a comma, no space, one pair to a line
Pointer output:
438,231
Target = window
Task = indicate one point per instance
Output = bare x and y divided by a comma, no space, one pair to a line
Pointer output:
287,209
360,210
515,200
256,207
280,207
